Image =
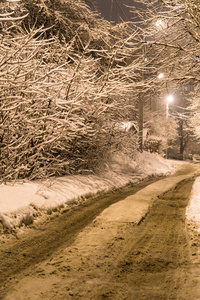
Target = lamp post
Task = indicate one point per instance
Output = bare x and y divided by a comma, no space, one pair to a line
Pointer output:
141,107
169,100
140,122
159,24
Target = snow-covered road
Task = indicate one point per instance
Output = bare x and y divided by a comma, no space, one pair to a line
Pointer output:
111,257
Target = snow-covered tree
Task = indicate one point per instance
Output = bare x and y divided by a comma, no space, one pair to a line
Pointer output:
170,33
62,95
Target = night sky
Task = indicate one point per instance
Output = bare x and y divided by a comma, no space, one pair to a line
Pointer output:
119,10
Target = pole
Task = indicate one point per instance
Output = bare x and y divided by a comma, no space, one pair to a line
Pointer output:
167,110
140,122
140,109
167,115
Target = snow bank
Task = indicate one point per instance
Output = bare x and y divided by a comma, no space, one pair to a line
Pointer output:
193,209
154,164
21,203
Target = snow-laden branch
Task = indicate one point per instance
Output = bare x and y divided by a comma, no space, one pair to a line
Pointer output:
5,18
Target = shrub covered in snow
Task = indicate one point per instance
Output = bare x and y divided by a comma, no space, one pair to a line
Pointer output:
56,98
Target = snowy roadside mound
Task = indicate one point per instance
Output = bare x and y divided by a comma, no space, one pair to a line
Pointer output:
154,164
193,209
21,203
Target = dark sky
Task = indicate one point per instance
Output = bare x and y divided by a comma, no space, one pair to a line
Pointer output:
118,9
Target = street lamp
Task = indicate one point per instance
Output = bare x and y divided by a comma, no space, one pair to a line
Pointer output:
169,100
140,106
160,75
159,23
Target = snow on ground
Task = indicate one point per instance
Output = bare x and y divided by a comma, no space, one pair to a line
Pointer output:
193,209
22,202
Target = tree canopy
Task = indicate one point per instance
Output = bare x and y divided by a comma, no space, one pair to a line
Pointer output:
70,78
63,89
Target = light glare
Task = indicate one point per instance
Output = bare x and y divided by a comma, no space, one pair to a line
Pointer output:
159,23
161,75
170,99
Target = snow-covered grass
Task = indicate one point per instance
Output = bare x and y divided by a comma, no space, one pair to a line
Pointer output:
22,202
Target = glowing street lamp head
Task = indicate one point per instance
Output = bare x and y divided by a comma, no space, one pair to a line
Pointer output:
160,76
170,99
159,23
